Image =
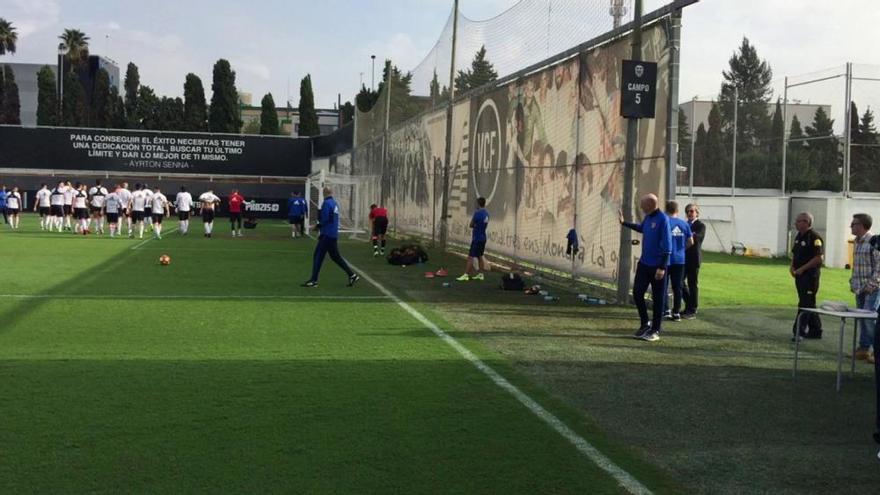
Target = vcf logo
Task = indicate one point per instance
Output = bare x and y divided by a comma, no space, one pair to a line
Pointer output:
486,151
640,70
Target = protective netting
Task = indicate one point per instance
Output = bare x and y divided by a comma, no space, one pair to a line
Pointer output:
546,149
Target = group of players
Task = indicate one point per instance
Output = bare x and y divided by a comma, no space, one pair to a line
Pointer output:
120,207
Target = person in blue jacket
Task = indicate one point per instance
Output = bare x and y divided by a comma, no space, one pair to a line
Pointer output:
3,203
682,238
328,225
297,209
651,269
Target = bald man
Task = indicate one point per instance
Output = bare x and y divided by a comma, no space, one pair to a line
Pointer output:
652,266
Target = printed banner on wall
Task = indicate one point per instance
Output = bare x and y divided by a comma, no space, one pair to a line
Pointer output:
158,152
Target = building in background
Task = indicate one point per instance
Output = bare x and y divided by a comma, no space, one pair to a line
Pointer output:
26,79
288,118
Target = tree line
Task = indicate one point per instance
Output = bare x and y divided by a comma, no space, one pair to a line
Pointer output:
814,154
405,105
138,106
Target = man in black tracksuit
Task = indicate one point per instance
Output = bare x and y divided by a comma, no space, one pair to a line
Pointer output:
806,261
693,258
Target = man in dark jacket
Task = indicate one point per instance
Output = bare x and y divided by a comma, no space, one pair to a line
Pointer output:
693,258
806,261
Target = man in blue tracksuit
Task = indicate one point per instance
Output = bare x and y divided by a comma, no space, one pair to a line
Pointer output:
651,270
682,238
328,223
297,209
3,203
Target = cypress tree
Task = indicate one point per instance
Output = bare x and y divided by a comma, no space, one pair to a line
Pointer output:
11,105
308,118
132,85
47,97
73,104
100,111
700,156
268,116
195,111
224,113
717,163
824,154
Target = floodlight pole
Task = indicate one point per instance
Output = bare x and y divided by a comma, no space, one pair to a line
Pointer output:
733,161
632,135
693,147
447,155
784,132
847,133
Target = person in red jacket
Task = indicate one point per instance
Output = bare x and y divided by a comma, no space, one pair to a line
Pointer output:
236,200
379,222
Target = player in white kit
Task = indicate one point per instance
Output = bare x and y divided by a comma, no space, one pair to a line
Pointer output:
56,207
13,207
111,209
41,204
81,208
184,204
148,210
97,196
208,202
125,212
69,191
137,205
160,211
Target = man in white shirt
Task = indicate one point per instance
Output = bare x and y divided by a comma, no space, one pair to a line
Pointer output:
137,205
69,191
97,195
41,204
13,207
184,204
148,210
81,208
56,206
112,207
160,209
125,200
208,202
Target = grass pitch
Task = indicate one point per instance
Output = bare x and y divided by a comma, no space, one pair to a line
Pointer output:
219,373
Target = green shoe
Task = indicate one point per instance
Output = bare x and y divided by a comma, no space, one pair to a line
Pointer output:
478,276
464,278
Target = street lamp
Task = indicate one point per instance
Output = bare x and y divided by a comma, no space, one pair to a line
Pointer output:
373,79
62,51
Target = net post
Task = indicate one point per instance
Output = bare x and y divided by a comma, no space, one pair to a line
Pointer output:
447,155
624,261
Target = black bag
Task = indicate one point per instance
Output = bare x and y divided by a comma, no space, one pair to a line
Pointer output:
512,281
409,254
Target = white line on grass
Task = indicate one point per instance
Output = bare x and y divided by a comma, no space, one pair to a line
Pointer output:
188,296
150,239
626,480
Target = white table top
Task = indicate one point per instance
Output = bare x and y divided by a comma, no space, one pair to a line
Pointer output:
860,315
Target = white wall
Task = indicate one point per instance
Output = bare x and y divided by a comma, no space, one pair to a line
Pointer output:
760,223
765,225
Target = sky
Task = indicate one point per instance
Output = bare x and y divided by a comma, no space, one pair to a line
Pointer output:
272,44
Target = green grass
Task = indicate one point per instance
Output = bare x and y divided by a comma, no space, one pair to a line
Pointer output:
740,281
118,374
269,392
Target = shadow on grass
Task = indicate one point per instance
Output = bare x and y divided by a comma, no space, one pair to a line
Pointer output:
305,426
729,429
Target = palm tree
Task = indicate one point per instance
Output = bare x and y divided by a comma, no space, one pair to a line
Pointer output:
8,37
77,46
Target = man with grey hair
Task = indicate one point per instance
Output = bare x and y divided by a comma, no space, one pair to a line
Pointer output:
806,260
865,281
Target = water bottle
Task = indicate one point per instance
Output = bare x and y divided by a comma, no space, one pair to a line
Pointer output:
447,284
550,298
544,293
